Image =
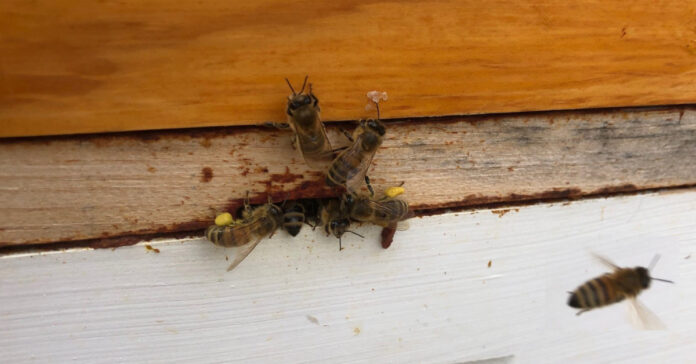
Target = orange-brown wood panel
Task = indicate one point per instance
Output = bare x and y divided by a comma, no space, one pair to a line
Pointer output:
79,66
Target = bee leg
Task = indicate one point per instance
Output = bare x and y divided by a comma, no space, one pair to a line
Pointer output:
340,246
347,135
294,142
338,150
581,311
369,186
247,207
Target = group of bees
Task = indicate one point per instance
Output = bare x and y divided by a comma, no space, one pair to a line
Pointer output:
346,170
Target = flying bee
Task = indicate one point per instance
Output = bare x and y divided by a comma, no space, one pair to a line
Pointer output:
310,134
620,284
246,233
350,166
385,212
334,220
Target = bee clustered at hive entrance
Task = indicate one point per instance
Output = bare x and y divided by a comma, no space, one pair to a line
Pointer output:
345,170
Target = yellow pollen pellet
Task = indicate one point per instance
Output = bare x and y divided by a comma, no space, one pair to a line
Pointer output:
392,192
223,219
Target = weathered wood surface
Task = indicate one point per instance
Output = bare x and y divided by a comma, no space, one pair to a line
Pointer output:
76,188
431,297
84,66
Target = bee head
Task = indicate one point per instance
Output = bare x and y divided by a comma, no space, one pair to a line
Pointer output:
339,227
376,126
643,276
298,102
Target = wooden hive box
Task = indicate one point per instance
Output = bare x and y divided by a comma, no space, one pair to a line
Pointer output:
528,135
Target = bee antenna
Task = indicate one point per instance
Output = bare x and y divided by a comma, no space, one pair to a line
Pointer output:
292,89
377,106
662,280
353,232
304,83
340,247
653,262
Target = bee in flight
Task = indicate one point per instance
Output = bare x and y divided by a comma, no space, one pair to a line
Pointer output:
246,233
310,134
349,168
334,220
620,284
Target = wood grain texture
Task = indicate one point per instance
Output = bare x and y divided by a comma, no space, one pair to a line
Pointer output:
430,298
79,66
75,188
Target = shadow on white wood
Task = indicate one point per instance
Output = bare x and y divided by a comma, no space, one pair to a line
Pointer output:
431,297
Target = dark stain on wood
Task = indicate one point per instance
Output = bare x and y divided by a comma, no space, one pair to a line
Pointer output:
286,177
206,174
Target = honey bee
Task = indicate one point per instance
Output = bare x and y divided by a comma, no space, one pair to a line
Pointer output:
385,212
293,217
334,220
310,134
246,233
350,166
622,283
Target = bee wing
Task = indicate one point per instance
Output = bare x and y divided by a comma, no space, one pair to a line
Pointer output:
383,210
248,233
240,235
402,225
242,252
316,159
605,261
642,317
356,179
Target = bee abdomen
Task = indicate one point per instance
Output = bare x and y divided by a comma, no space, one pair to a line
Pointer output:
293,221
594,293
222,236
341,168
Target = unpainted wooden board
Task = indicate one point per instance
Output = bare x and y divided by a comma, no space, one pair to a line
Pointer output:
457,287
76,188
82,66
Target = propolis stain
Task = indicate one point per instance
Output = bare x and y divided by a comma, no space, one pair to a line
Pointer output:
206,174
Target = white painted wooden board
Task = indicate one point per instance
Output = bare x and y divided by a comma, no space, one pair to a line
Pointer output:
430,298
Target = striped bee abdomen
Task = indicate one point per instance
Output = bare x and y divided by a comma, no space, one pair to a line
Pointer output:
594,293
293,218
223,235
347,163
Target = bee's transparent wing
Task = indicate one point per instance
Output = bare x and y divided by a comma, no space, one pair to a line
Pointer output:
605,261
315,159
241,252
250,234
402,225
641,316
356,179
